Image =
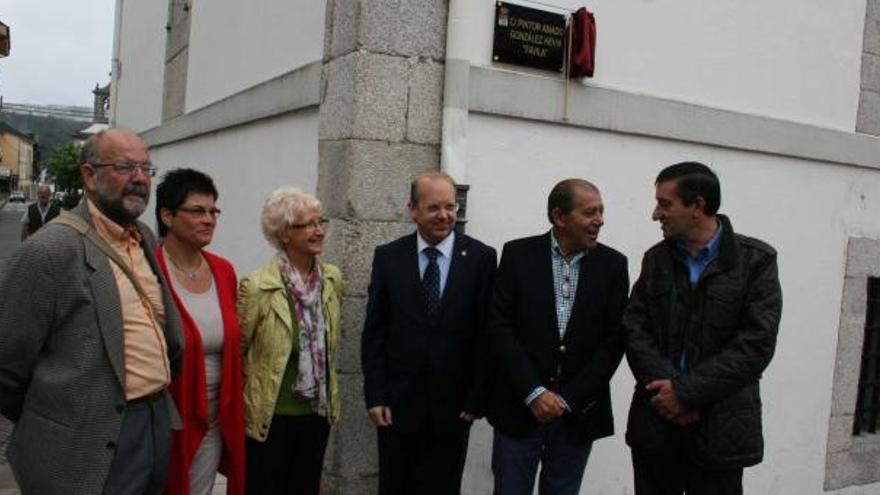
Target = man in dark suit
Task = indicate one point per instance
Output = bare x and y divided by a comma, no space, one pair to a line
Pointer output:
423,347
39,213
89,338
556,337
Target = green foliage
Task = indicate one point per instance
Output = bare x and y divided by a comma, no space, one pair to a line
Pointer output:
63,164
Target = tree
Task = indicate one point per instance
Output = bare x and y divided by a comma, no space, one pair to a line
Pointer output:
63,164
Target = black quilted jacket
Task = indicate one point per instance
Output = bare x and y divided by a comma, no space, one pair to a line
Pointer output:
726,327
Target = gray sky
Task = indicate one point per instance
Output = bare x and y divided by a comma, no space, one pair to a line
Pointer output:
60,49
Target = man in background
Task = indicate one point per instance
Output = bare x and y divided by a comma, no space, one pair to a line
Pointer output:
39,213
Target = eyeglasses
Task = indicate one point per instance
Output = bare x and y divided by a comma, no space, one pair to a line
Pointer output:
314,224
201,212
129,168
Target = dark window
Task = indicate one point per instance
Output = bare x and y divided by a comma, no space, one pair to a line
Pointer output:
868,402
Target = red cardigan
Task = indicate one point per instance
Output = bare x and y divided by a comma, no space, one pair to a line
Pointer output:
188,389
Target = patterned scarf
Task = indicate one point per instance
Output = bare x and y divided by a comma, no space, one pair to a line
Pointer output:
311,377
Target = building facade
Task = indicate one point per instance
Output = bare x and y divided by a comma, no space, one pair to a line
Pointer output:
349,98
17,155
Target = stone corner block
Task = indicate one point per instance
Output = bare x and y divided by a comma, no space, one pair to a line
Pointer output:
873,10
871,39
365,97
370,179
341,25
868,119
352,451
846,384
351,245
178,30
337,98
404,27
863,256
174,89
840,433
871,71
348,357
425,111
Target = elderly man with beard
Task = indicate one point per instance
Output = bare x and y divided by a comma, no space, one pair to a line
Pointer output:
90,338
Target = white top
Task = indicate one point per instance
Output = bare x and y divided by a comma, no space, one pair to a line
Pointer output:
205,311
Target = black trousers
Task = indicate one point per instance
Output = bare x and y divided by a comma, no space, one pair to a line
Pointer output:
140,461
673,472
427,463
290,460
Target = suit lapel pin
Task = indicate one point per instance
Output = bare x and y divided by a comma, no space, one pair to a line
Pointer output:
464,253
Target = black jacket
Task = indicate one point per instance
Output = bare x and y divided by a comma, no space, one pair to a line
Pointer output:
427,370
525,338
35,221
726,326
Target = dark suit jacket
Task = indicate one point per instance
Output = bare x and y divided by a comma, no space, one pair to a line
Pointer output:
62,370
524,335
427,370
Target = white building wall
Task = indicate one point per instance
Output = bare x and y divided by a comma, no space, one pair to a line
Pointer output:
790,59
806,210
137,87
247,163
235,45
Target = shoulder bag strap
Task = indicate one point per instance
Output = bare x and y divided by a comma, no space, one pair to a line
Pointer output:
78,224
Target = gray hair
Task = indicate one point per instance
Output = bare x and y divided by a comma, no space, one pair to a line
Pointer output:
90,152
283,208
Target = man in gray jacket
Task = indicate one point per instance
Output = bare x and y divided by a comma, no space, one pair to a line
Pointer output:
701,327
90,337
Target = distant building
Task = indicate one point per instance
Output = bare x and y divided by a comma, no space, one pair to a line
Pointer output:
18,152
99,114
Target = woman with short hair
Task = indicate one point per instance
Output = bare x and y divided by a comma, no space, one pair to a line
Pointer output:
289,317
208,390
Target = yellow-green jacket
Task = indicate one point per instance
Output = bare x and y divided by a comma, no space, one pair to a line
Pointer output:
268,330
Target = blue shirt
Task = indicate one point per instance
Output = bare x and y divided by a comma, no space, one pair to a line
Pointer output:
697,264
443,260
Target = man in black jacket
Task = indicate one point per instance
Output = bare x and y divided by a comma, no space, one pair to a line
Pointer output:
39,213
701,327
423,344
557,340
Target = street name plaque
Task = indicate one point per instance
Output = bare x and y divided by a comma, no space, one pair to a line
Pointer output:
528,37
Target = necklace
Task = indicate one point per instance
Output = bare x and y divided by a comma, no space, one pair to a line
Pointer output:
189,274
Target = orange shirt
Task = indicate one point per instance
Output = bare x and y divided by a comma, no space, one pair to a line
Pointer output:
146,357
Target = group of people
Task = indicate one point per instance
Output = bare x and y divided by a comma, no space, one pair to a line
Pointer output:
136,366
131,366
533,344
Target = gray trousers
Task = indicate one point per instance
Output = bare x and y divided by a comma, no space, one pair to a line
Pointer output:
140,464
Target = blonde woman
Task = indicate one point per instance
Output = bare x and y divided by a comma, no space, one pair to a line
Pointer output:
289,318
